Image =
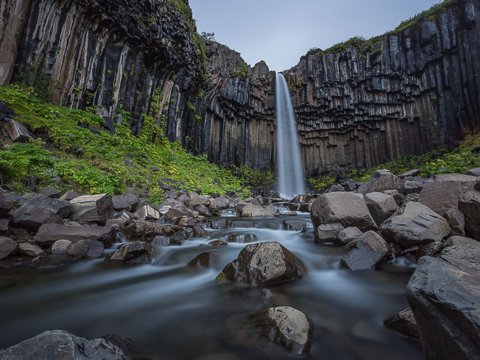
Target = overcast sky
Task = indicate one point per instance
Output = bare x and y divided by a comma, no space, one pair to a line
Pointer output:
280,31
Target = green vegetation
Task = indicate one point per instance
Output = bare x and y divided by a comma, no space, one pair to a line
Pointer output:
322,182
459,160
105,162
241,72
253,178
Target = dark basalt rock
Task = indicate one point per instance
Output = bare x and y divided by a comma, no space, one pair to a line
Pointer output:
366,252
403,322
137,252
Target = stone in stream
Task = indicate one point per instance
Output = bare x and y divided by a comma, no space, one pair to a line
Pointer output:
348,235
469,205
251,210
142,230
148,213
203,210
7,247
137,252
403,322
381,206
415,224
31,217
366,252
159,241
28,249
49,233
91,208
60,344
90,249
328,233
347,209
263,264
60,247
206,260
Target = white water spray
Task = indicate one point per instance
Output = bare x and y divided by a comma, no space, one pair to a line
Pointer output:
291,180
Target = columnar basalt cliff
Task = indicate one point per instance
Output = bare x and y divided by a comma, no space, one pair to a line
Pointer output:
112,55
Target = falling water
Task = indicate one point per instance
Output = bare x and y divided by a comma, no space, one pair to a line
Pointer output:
291,180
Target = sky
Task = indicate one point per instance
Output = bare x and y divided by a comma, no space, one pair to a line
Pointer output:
281,31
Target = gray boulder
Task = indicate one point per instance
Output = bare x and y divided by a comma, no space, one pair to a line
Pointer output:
49,233
263,264
348,235
381,180
60,247
345,208
456,220
441,196
8,201
28,249
366,252
415,224
142,230
148,213
90,249
328,233
124,202
463,249
474,172
60,207
381,206
251,210
17,131
218,204
404,322
469,205
31,217
91,208
137,252
160,241
7,247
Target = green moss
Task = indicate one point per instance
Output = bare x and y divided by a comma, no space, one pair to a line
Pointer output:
253,178
102,165
240,72
322,182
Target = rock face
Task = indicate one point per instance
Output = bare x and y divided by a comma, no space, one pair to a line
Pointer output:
264,264
366,252
444,295
414,225
58,344
469,204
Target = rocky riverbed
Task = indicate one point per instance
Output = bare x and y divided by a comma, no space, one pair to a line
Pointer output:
220,277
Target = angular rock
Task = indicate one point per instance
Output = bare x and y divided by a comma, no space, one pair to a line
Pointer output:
415,224
204,260
241,237
251,210
196,200
4,226
28,249
466,182
59,344
456,220
31,217
49,233
217,243
7,247
285,326
410,173
159,241
413,186
348,209
91,208
366,252
137,252
296,225
430,249
8,201
60,247
328,233
463,249
474,172
469,205
381,206
57,206
404,322
70,195
199,231
441,196
348,235
91,249
148,213
203,210
126,202
218,204
264,264
381,180
220,224
137,230
17,131
51,192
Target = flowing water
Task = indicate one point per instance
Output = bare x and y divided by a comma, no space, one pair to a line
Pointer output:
291,180
177,312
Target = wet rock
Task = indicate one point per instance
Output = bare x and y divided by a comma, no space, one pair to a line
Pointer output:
91,249
31,217
7,202
126,202
49,233
91,208
182,234
404,322
430,249
203,210
199,231
60,247
285,326
415,224
366,252
51,192
381,180
28,249
57,206
147,213
328,233
348,209
456,220
381,206
466,182
142,230
137,252
59,344
469,205
217,243
296,225
17,131
241,238
204,260
7,247
263,264
159,241
251,210
348,235
219,224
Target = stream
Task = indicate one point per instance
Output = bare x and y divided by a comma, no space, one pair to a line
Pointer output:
178,312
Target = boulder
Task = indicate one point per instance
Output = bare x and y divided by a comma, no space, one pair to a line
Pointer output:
469,205
137,230
466,182
199,231
60,207
410,173
463,249
328,233
126,202
381,206
28,249
348,235
91,208
441,196
206,260
456,220
49,233
220,224
31,217
137,252
413,186
346,208
430,249
70,195
4,225
264,264
60,247
444,295
296,225
17,131
91,249
285,326
196,200
251,210
218,204
241,237
403,322
366,252
59,344
7,247
415,224
51,192
159,241
148,213
203,210
381,180
474,172
8,201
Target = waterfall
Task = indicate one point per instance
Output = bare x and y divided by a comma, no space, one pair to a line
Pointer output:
290,175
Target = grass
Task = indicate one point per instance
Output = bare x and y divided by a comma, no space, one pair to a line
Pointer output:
107,163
